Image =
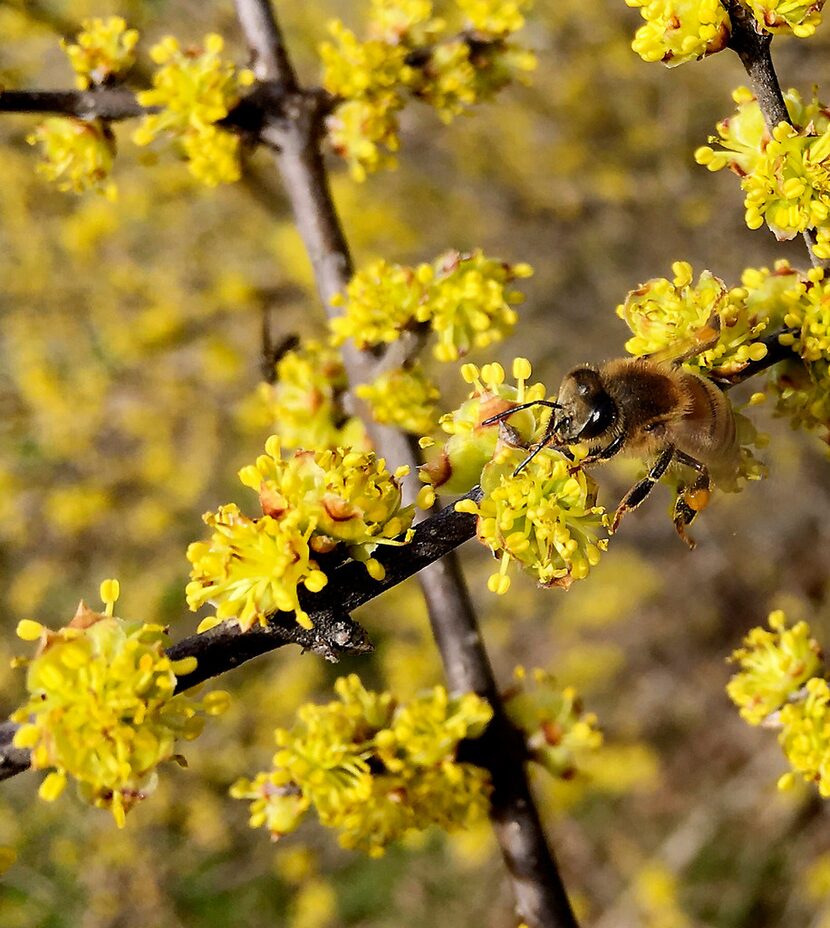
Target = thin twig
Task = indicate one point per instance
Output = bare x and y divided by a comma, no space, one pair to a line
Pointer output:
113,104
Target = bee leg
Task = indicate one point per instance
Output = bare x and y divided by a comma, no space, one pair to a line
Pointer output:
692,499
642,488
612,448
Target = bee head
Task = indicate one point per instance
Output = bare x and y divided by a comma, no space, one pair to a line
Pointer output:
587,409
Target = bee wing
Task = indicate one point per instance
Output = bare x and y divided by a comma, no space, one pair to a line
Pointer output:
702,340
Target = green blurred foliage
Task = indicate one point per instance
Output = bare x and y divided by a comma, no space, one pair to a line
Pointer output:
130,343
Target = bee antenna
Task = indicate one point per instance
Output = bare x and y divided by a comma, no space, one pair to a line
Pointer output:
509,412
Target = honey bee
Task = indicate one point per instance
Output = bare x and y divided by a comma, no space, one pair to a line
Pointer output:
649,406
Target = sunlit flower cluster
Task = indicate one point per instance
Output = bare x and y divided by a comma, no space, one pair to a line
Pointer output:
372,769
457,465
677,31
465,299
800,17
667,315
404,397
809,316
409,53
559,733
303,403
784,174
103,49
77,154
774,665
196,89
782,683
102,708
311,502
545,518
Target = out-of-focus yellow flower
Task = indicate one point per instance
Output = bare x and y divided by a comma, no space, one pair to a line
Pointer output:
495,17
195,88
78,154
104,48
677,31
374,770
102,708
773,666
303,402
559,734
404,397
805,735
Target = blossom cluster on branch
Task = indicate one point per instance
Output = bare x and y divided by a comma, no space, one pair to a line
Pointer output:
450,61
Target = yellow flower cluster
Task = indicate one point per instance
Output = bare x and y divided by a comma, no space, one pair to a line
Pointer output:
409,54
196,88
404,397
782,682
667,315
104,48
374,770
545,518
800,17
102,708
786,174
809,315
774,665
465,299
677,31
78,154
457,466
559,733
303,403
311,502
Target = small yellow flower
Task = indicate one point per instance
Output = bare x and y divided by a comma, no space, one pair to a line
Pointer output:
196,88
404,397
798,17
805,734
773,666
373,770
677,31
78,154
102,708
104,48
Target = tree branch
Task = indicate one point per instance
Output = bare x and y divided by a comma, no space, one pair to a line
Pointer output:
295,132
113,104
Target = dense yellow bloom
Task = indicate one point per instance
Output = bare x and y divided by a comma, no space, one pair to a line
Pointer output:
381,301
677,31
674,314
559,733
809,314
786,174
800,17
409,54
545,517
458,463
404,397
102,708
304,402
195,88
311,502
805,735
251,568
495,17
78,154
466,300
774,665
802,390
104,48
373,770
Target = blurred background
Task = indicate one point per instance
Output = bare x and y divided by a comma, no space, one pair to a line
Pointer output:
130,339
